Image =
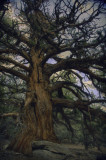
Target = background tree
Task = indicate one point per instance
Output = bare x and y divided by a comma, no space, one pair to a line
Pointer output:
40,34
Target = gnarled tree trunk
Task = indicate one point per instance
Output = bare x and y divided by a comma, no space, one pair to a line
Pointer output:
37,116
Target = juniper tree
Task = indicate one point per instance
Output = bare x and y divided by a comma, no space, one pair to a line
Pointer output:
47,31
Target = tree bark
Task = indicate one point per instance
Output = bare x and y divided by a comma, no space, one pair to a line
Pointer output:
37,117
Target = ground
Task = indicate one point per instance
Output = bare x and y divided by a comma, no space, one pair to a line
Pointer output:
44,150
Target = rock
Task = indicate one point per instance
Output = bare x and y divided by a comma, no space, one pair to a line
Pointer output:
47,155
44,150
50,146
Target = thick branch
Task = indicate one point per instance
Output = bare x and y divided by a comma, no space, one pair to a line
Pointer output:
81,105
71,64
94,76
13,72
60,102
10,60
65,84
17,52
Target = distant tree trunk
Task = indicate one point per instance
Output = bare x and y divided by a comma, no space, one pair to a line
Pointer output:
37,116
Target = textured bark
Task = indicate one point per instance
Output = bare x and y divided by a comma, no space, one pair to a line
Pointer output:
37,116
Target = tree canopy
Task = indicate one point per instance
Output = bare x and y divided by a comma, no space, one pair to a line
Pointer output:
55,46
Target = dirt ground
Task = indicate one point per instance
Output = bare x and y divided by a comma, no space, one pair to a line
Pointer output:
77,153
79,146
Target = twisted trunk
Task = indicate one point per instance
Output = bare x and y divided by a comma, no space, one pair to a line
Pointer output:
37,116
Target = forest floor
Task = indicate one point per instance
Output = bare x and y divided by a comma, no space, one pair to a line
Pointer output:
79,146
53,151
43,150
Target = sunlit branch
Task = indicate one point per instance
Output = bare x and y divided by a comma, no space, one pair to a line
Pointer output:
16,34
13,50
10,60
13,72
93,75
72,91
